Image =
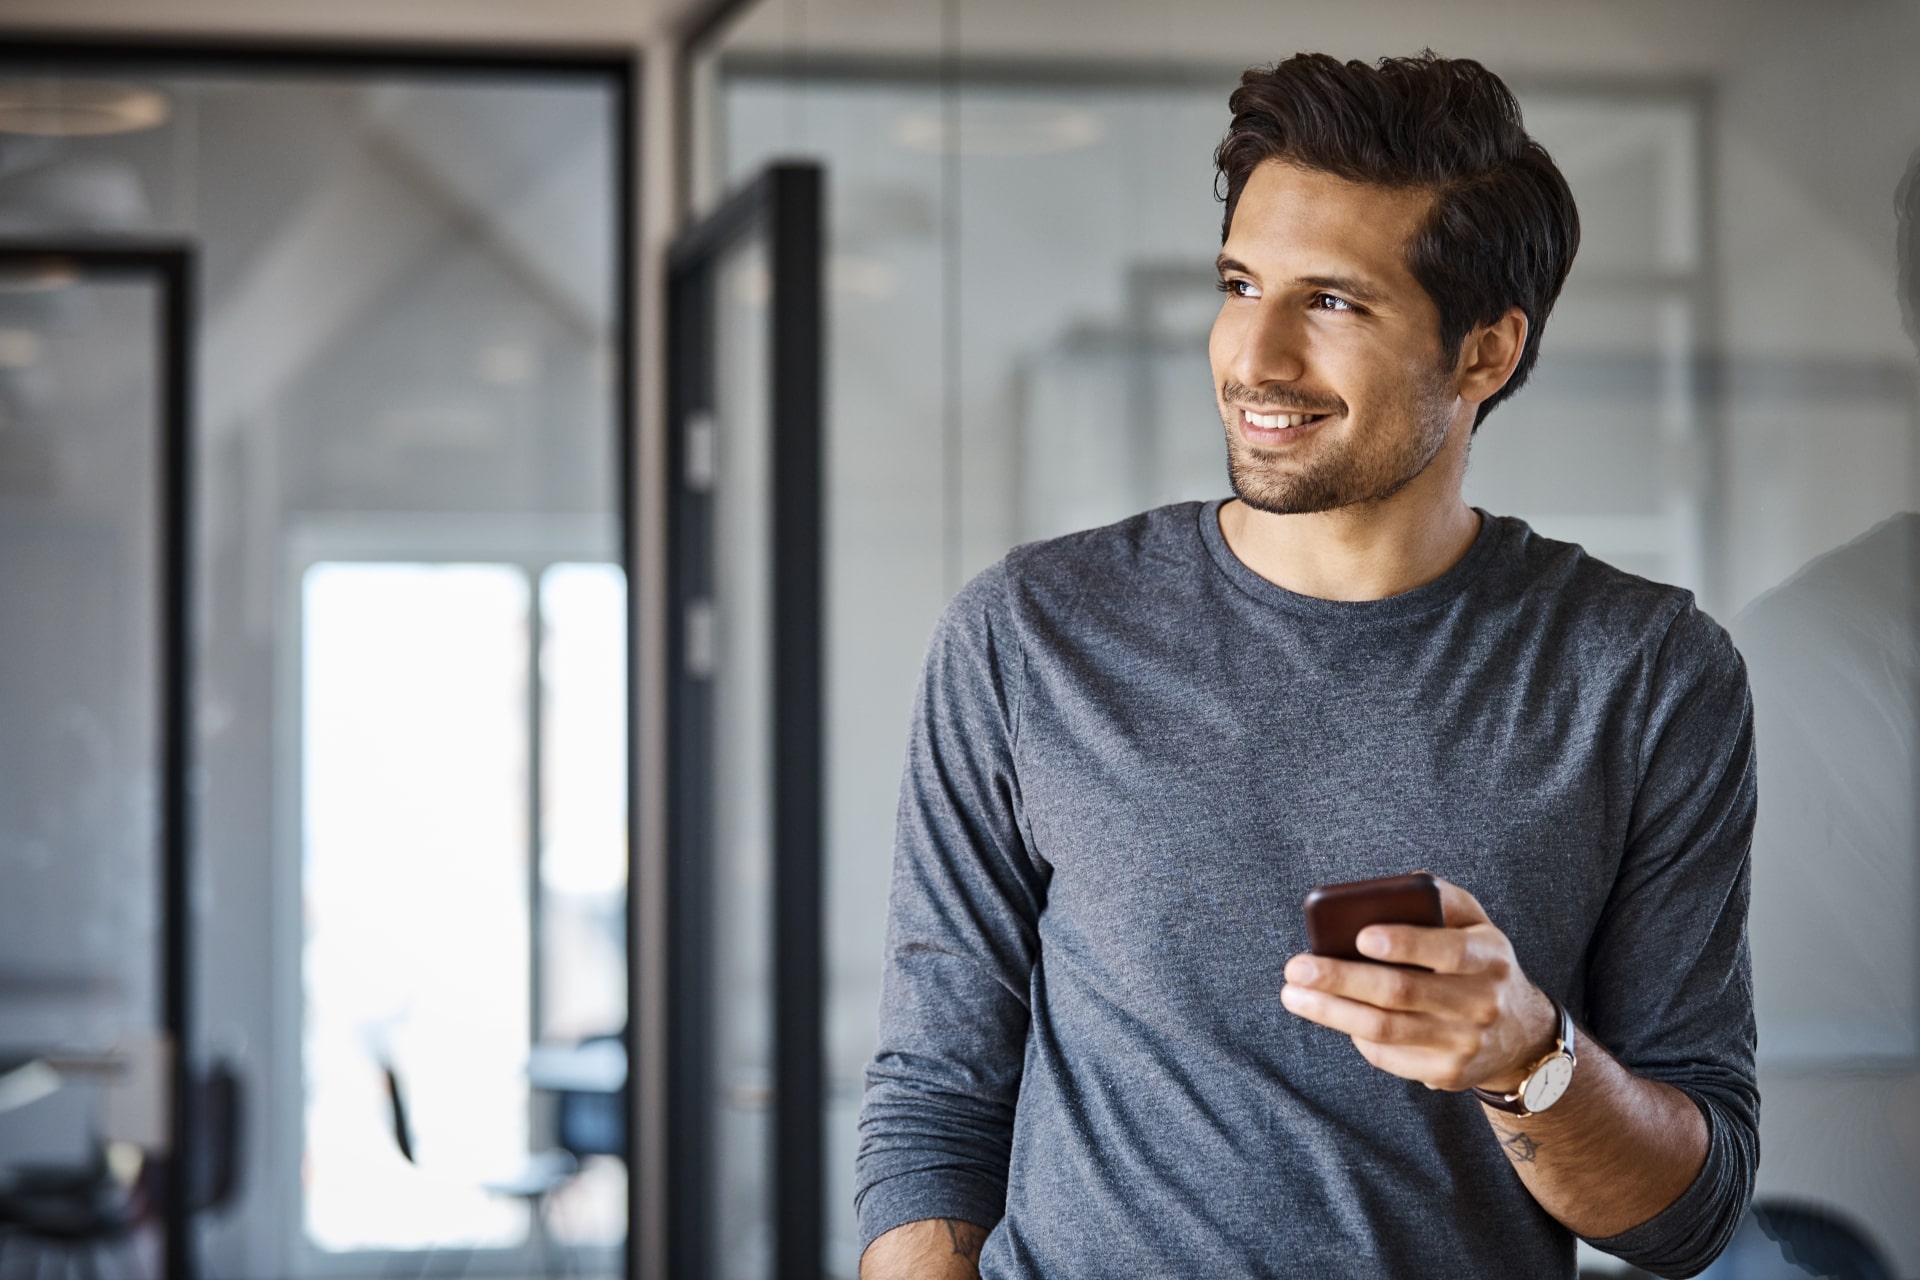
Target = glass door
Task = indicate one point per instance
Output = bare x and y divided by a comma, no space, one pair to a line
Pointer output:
745,817
93,923
411,506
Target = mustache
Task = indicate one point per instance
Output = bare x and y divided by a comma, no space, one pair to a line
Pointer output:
1235,393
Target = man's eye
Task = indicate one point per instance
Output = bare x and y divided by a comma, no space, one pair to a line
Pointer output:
1327,302
1236,287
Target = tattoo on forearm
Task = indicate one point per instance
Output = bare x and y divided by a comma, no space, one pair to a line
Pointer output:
967,1238
1519,1147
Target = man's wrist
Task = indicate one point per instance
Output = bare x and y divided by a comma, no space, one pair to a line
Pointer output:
1542,1021
927,1249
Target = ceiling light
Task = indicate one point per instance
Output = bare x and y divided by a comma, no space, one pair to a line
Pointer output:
985,129
1001,129
867,278
19,348
78,108
506,364
42,275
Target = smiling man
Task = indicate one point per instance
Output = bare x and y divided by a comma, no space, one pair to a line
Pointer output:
1135,751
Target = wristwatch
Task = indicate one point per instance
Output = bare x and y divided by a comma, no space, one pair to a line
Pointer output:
1546,1079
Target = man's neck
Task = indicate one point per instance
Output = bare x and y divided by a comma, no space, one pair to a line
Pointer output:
1368,551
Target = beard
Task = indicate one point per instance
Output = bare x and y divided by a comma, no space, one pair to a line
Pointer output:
1342,472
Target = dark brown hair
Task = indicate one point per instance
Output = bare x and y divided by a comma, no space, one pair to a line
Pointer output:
1503,229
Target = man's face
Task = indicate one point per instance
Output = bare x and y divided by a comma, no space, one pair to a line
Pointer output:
1326,352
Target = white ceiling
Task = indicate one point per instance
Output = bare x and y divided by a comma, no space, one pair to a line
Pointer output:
475,21
1547,37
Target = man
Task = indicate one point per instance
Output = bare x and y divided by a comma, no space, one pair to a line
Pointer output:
1135,750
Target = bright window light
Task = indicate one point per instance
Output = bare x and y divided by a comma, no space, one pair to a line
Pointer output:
583,856
415,735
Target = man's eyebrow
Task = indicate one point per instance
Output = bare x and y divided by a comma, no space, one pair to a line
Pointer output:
1224,264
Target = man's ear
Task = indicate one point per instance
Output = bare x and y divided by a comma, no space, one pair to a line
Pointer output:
1488,356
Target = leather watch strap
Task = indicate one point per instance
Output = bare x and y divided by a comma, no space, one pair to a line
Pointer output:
1515,1103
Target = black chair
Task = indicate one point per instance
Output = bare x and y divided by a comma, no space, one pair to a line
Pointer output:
1821,1241
69,1217
1790,1240
592,1122
74,1216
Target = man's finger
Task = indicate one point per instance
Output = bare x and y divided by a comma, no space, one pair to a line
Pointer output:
1441,950
1363,1021
1382,986
1459,908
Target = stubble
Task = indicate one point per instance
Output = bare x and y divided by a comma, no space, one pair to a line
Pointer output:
1370,466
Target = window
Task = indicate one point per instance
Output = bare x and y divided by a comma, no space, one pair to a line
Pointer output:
454,917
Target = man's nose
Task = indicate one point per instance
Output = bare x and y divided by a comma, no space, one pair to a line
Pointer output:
1271,348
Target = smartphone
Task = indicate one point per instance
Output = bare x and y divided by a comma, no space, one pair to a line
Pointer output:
1336,913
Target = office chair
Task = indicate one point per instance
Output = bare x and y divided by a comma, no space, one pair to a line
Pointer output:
1792,1240
1821,1241
76,1215
540,1175
592,1122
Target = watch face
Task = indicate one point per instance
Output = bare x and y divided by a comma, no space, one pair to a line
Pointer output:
1544,1087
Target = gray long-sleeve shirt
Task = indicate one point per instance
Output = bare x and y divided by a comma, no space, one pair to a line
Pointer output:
1132,757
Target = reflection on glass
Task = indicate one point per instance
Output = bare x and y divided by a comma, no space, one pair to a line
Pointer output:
742,933
1834,654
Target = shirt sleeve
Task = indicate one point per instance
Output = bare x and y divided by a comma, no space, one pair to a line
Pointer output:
1669,987
936,1124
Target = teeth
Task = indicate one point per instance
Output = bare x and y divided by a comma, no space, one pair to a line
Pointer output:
1275,421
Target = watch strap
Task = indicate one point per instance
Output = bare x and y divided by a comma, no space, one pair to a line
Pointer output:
1515,1103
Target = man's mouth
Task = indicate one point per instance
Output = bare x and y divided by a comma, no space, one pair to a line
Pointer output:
1277,428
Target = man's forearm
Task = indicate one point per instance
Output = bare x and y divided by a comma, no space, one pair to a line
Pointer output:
932,1249
1610,1154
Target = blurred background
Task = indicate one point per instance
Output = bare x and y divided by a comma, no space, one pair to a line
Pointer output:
476,483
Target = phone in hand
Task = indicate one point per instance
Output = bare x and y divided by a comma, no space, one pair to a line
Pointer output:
1336,913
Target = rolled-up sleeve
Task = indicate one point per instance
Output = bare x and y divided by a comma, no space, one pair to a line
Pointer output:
1670,989
936,1125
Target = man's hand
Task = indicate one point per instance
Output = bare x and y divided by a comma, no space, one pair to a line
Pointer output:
1474,1020
1613,1152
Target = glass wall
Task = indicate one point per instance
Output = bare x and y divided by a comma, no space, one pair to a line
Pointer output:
410,857
1022,226
85,1006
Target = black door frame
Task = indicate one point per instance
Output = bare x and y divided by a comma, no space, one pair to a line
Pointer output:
785,205
170,265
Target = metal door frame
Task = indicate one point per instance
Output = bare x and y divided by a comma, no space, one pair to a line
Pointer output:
170,266
784,204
